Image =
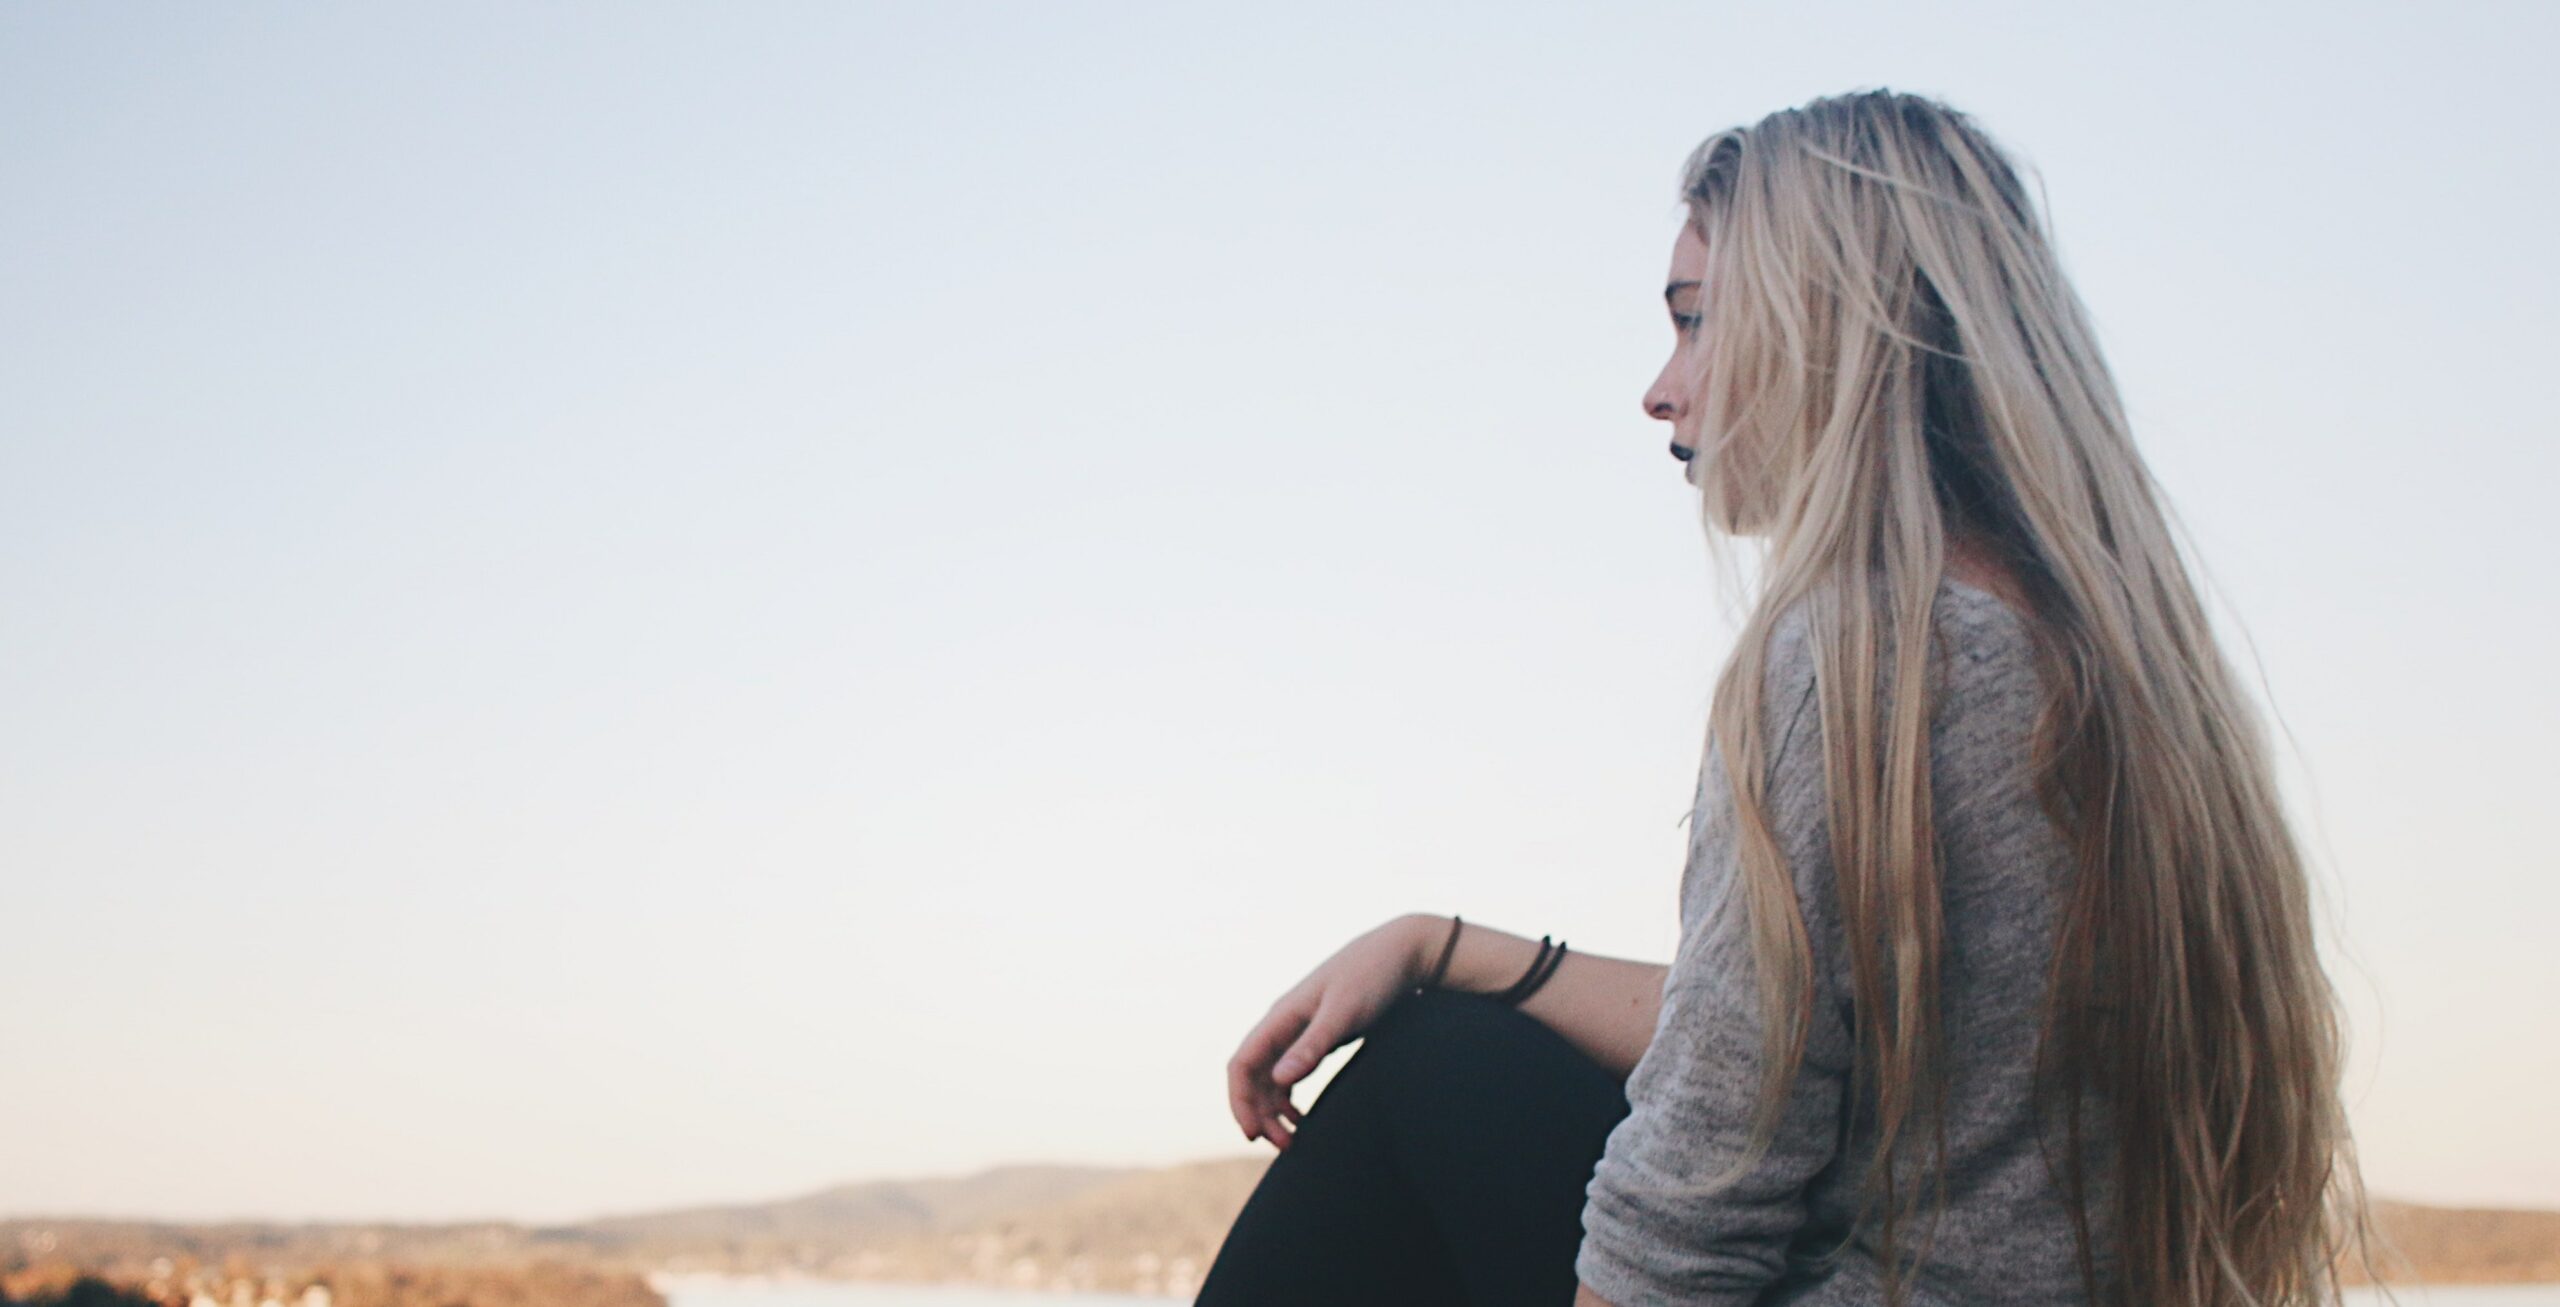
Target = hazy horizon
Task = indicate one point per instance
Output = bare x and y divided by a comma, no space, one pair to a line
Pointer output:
756,1200
619,608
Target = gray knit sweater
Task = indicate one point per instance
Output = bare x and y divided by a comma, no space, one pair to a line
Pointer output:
1653,1234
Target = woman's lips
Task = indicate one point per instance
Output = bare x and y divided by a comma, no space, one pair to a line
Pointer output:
1680,452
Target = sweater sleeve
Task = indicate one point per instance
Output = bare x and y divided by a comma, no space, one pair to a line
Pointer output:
1656,1230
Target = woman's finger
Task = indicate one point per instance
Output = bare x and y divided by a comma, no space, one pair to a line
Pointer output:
1264,1044
1249,1071
1319,1039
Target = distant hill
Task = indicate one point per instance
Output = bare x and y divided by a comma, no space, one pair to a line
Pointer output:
859,1213
1150,1231
2468,1245
1116,1229
1105,1229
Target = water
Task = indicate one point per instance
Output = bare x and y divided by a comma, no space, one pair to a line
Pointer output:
713,1291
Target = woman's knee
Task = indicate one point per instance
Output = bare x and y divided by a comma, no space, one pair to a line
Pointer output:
1416,1042
1439,1042
1450,1054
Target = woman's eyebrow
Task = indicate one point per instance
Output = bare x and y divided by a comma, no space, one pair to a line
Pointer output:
1675,288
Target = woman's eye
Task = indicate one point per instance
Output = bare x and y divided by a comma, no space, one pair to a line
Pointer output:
1685,321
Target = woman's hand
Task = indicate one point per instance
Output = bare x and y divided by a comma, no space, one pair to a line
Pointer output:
1323,1012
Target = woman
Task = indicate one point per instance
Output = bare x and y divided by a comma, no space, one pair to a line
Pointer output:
1996,979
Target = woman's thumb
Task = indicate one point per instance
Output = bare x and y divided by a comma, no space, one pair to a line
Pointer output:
1297,1060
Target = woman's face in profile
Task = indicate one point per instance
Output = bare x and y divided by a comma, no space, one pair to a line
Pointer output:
1671,397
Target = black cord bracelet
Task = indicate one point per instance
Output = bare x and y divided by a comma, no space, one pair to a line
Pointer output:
1520,988
1440,969
1553,961
1537,973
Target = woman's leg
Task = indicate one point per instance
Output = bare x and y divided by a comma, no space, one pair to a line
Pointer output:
1443,1164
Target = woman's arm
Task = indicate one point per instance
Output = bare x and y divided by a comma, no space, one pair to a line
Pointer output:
1679,1207
1604,1006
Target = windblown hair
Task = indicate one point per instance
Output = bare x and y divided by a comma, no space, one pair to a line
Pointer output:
1891,356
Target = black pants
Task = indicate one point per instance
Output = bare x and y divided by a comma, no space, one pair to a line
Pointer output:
1443,1164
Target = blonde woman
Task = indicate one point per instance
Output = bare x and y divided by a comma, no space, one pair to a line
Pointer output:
1996,979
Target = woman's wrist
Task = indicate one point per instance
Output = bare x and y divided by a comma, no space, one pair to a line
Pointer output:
1452,953
1426,934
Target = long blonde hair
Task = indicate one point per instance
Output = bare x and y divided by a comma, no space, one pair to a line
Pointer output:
1892,356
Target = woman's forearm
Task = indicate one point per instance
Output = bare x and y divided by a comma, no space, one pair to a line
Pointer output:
1602,1005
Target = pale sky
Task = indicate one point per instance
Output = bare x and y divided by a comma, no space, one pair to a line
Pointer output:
615,606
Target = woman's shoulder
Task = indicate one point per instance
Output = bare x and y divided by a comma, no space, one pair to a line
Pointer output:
1975,627
1983,723
1970,610
1989,652
1985,685
1986,682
